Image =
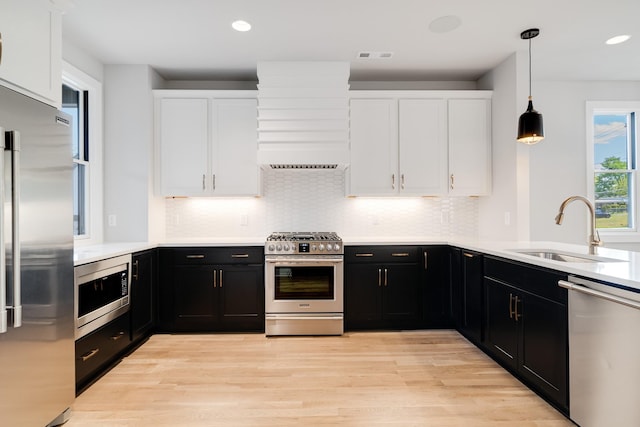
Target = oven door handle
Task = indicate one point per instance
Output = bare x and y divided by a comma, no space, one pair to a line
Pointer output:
286,317
308,261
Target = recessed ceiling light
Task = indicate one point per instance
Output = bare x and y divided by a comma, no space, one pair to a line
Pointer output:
241,25
618,39
445,24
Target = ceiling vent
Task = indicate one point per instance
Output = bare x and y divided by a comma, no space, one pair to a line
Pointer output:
303,115
375,55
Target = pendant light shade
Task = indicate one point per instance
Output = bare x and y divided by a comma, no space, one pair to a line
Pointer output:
530,127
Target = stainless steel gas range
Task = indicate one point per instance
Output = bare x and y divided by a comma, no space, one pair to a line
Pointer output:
304,284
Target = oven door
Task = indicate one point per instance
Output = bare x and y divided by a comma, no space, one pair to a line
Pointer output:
312,284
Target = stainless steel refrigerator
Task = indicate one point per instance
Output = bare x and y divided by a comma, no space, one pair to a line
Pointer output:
37,384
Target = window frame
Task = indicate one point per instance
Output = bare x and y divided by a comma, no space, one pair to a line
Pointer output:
631,234
77,79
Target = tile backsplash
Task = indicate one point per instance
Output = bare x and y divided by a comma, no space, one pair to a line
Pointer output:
313,200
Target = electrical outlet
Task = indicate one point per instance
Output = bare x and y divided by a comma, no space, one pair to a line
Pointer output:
244,220
112,220
507,218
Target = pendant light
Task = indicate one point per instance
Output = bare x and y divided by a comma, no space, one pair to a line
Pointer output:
530,129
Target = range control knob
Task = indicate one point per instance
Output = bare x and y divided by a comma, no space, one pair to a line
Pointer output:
336,247
271,247
286,247
313,248
321,247
279,247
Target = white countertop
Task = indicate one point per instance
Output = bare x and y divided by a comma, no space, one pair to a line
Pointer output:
616,266
621,267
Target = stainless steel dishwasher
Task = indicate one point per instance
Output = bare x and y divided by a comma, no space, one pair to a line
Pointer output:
604,354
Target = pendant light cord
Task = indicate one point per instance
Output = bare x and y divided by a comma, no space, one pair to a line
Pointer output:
529,68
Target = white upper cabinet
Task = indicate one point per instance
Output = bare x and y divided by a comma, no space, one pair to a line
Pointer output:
31,61
373,169
469,147
206,143
423,146
419,143
184,146
235,147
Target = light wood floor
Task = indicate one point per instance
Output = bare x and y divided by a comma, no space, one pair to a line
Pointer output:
416,378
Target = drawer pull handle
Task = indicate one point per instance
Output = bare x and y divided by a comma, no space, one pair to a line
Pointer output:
117,336
136,265
88,355
400,254
239,255
364,255
510,306
195,256
468,255
379,277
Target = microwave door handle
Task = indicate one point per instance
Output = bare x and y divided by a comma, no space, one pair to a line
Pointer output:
14,146
3,269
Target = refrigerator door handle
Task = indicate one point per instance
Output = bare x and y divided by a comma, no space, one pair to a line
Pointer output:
3,269
13,144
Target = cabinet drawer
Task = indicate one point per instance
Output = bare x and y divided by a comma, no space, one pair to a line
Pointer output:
382,254
100,347
536,280
221,255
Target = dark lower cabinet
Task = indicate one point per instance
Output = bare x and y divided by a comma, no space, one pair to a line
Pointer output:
212,289
382,287
100,349
526,326
467,293
436,287
143,296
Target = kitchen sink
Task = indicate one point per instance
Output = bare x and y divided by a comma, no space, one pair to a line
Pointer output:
564,256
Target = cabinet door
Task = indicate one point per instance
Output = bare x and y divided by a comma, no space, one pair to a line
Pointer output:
436,287
374,147
32,49
363,301
142,294
241,289
501,333
235,147
195,298
400,296
455,277
472,281
543,347
469,147
184,147
422,125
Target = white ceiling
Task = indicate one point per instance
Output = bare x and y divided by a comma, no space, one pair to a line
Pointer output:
193,39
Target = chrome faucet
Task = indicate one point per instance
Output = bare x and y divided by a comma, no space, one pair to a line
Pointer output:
594,238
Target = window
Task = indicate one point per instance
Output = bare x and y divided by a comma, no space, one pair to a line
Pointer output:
75,103
612,155
82,99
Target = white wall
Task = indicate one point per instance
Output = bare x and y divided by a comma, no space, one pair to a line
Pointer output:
128,142
83,61
558,163
503,214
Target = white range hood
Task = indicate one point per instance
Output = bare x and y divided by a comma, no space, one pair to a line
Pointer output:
303,115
